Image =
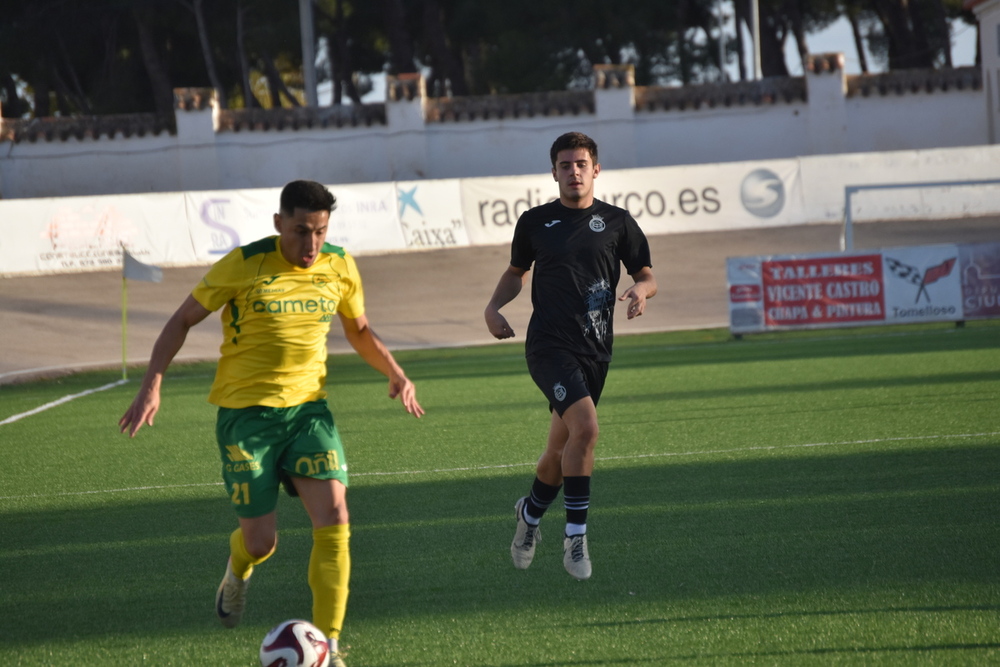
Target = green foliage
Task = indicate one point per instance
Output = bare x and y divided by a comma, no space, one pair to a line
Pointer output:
822,497
91,56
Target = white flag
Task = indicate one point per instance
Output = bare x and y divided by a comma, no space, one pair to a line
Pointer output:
133,269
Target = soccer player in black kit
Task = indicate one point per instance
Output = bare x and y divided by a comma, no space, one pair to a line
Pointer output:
577,245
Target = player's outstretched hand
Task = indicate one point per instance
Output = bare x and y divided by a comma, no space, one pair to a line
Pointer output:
407,393
143,409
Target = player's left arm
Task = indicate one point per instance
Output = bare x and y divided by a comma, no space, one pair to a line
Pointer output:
371,348
643,288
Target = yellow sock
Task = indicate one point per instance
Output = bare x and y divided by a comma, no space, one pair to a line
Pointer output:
329,574
243,562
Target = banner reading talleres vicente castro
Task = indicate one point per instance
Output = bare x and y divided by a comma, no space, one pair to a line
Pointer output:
886,286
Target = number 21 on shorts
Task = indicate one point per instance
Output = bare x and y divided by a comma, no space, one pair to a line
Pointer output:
241,493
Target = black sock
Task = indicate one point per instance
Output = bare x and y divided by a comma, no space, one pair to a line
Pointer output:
542,495
577,499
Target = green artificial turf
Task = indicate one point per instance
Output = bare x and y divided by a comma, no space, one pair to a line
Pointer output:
804,498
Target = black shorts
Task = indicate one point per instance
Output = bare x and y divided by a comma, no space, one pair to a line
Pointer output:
565,378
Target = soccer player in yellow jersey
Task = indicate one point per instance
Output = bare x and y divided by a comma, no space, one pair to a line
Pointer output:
278,297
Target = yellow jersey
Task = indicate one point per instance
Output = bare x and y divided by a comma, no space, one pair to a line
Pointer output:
275,320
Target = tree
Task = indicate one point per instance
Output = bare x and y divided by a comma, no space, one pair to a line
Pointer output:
159,77
197,8
121,56
250,100
914,33
400,47
351,31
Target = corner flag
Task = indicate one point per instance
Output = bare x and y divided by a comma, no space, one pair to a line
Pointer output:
135,270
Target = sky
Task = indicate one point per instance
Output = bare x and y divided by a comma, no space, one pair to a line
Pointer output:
838,38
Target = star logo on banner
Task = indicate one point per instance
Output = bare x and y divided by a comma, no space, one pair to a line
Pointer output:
409,198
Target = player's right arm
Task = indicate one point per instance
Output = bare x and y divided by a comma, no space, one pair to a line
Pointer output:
508,287
147,401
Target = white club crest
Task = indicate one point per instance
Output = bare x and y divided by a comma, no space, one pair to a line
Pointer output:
559,391
597,223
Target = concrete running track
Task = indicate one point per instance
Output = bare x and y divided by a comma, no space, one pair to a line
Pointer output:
55,324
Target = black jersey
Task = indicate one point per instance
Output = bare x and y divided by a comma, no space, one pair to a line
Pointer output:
577,256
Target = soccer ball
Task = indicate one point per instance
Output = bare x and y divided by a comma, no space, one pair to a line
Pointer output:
295,644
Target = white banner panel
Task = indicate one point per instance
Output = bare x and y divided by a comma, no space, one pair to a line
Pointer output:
22,238
366,218
922,284
663,200
70,234
222,220
491,206
737,195
430,214
172,229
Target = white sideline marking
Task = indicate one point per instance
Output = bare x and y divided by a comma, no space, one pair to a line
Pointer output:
520,465
60,401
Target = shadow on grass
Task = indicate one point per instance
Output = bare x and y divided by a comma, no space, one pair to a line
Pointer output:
783,525
660,532
635,351
859,654
793,388
917,609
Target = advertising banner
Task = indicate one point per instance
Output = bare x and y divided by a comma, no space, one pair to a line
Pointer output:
430,214
663,200
222,220
979,266
822,291
71,234
61,235
923,284
903,285
366,219
491,206
699,198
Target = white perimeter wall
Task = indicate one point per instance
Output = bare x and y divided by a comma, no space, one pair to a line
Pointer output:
408,147
928,120
723,135
190,227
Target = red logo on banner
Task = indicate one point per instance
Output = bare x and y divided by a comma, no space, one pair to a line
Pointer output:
824,291
912,274
744,293
936,273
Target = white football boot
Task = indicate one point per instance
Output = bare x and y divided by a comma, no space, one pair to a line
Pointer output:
231,597
576,558
522,549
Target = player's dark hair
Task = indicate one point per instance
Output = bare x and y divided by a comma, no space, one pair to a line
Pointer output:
308,195
572,140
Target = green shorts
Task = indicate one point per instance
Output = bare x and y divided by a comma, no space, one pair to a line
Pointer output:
262,447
